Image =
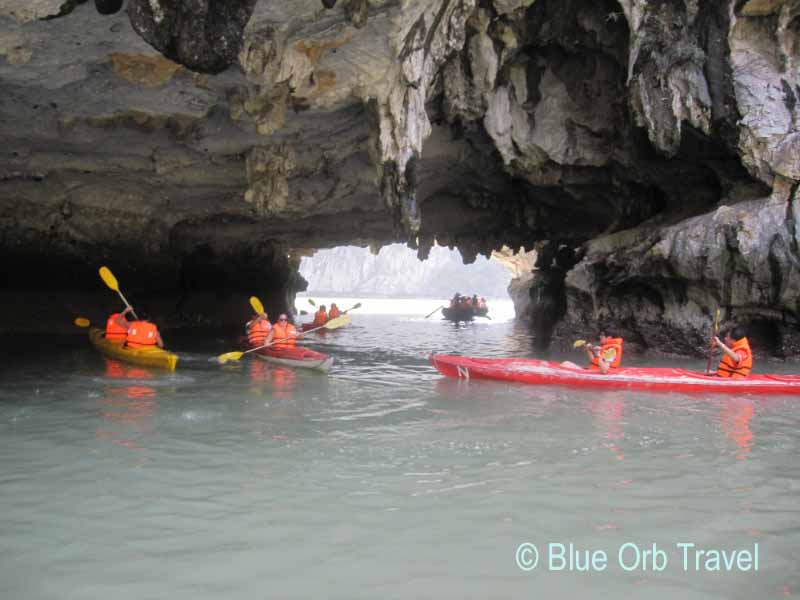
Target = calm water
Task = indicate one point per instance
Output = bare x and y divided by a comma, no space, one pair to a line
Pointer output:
380,480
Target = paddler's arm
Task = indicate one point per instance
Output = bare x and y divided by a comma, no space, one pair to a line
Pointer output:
731,354
159,341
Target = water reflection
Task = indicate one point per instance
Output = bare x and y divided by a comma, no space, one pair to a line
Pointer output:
608,413
280,381
127,411
735,418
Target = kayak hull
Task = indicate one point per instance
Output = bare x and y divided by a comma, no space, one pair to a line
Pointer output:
540,372
297,357
147,357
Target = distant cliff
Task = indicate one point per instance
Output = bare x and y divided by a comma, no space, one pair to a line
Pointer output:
396,271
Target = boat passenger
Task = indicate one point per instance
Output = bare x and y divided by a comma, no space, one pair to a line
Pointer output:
455,300
608,355
258,329
737,358
475,301
143,334
482,303
604,356
320,317
117,325
283,334
334,311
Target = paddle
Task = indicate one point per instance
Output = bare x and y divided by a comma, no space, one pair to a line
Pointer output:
713,335
355,306
434,310
256,304
311,301
606,355
332,324
111,281
82,322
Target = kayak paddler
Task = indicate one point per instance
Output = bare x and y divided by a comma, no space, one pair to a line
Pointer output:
283,334
334,311
258,329
604,356
143,334
737,358
117,325
320,317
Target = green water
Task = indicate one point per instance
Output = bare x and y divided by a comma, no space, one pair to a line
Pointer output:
380,480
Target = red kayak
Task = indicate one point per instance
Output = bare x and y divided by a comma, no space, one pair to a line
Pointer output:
296,356
541,372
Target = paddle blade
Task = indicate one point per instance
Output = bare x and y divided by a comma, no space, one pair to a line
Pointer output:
82,322
337,322
108,277
256,304
229,356
579,343
355,306
311,302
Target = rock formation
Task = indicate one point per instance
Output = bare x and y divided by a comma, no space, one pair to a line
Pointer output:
648,150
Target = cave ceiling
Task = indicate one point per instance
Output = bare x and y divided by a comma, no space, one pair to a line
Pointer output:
158,132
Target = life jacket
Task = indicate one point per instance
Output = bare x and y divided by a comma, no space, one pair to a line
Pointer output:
320,318
141,334
113,329
257,332
284,335
729,368
614,344
333,313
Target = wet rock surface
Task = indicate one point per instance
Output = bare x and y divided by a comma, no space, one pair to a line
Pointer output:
649,151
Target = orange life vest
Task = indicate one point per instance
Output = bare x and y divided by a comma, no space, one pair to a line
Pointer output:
729,368
320,318
141,334
113,329
614,344
334,312
257,332
284,335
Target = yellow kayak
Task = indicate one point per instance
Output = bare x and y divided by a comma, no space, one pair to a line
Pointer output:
148,357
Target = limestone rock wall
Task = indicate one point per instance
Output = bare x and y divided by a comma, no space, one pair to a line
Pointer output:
616,137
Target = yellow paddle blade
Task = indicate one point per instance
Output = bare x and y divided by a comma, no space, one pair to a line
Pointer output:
228,356
82,322
256,304
337,322
579,343
109,279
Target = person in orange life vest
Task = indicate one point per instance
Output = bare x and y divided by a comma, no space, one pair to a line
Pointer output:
143,334
258,329
320,317
117,325
482,303
283,334
608,355
737,358
334,311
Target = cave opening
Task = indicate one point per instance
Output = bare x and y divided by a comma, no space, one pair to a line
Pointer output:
392,279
